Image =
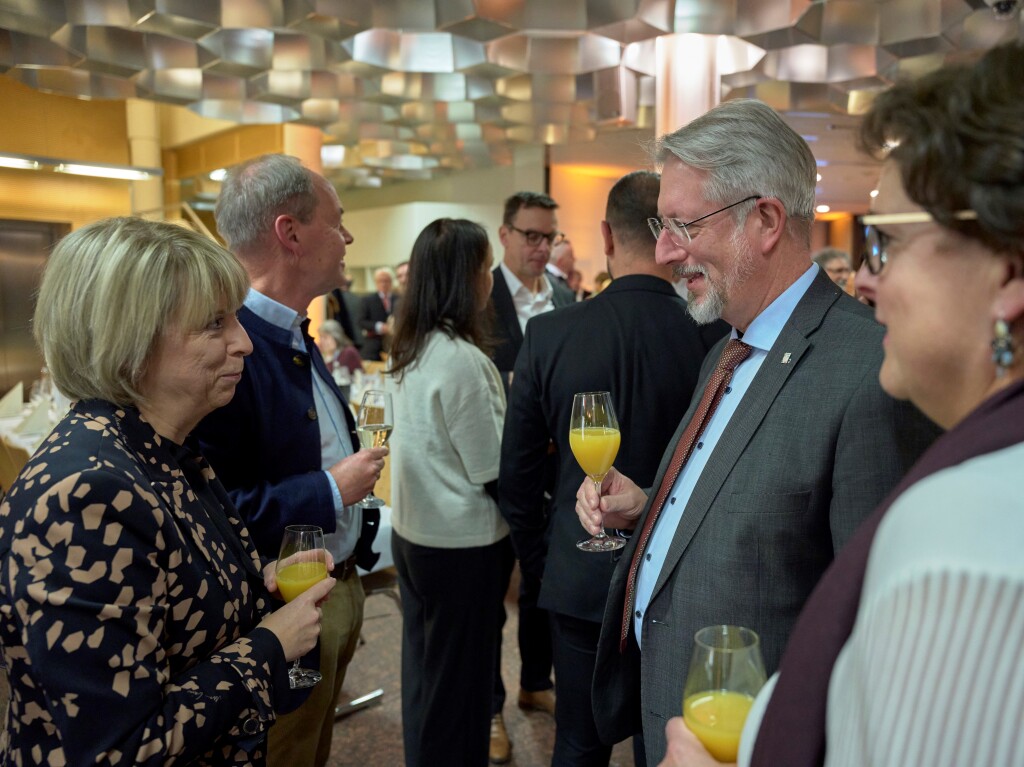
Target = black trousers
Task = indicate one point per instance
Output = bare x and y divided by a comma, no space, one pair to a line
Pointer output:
534,643
577,741
451,600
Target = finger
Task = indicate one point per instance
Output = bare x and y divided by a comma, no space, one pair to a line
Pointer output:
320,589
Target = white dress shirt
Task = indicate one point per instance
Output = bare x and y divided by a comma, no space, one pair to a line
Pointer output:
528,304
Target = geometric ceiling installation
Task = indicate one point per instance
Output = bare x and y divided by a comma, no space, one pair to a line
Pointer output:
410,89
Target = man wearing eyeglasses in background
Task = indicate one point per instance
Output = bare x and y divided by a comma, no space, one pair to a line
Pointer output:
522,289
788,443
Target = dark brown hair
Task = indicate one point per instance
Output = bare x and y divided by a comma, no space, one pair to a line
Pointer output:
442,292
956,135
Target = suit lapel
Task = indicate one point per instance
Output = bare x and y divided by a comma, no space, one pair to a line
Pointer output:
505,309
791,345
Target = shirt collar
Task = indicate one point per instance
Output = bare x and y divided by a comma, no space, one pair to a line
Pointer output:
515,285
766,327
277,314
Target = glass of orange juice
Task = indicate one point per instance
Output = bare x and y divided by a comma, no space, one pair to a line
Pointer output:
594,438
726,672
301,563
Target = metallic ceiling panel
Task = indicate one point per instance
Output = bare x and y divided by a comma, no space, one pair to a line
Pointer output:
334,85
474,20
112,13
245,112
33,17
918,27
405,15
539,113
616,96
190,19
549,16
107,50
800,63
551,133
709,17
288,88
850,22
296,51
406,52
181,85
319,112
778,24
641,57
77,83
241,52
248,14
407,86
164,52
29,52
331,19
856,63
538,87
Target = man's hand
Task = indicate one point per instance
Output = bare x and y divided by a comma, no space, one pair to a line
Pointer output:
684,750
356,475
619,506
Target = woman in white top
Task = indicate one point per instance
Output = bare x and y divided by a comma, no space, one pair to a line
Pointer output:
450,544
911,649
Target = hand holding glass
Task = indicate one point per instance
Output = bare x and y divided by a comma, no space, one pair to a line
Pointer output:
726,672
374,425
302,562
594,439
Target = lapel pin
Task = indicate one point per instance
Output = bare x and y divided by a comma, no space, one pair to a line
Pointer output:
785,358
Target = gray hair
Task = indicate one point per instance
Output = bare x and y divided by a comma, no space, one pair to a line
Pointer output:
823,256
747,148
257,191
334,329
111,288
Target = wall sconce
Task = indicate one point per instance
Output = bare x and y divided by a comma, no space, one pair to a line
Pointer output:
97,170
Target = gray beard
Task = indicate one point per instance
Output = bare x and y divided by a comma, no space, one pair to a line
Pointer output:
711,304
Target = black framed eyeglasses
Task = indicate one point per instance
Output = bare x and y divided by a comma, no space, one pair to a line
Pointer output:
677,230
534,237
876,242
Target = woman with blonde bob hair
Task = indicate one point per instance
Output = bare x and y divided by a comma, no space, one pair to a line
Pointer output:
134,612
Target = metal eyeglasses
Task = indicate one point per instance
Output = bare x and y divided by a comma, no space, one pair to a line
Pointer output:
876,242
677,230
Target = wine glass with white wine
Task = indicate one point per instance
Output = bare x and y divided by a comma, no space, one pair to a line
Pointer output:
726,672
374,425
301,563
594,438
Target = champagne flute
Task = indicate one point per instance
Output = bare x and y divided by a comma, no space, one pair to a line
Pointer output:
726,672
301,563
594,439
374,425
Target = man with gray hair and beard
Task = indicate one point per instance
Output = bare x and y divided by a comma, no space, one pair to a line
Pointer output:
788,443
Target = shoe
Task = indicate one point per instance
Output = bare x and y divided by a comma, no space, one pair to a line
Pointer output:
542,700
501,746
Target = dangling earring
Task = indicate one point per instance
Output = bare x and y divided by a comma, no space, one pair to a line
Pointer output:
1002,347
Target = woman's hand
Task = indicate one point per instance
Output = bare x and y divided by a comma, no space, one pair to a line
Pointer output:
684,750
297,624
270,574
619,506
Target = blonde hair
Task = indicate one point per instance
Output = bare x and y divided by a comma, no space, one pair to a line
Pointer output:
112,287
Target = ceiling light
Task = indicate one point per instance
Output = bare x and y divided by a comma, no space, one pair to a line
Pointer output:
21,163
823,209
874,193
106,171
219,174
819,177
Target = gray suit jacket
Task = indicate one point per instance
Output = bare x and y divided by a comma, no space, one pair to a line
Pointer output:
813,447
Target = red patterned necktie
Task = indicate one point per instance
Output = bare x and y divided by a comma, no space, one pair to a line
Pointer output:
735,352
386,300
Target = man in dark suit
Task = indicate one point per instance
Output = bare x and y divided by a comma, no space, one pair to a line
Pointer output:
636,341
561,263
343,307
285,446
801,446
377,309
523,290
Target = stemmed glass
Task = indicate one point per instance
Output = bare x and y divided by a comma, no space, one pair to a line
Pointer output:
301,563
594,439
726,672
374,425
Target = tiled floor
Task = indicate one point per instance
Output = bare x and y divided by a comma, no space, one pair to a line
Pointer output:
373,737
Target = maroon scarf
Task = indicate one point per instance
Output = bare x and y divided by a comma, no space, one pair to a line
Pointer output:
792,732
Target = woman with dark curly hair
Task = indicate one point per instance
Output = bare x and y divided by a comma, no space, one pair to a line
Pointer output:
909,651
